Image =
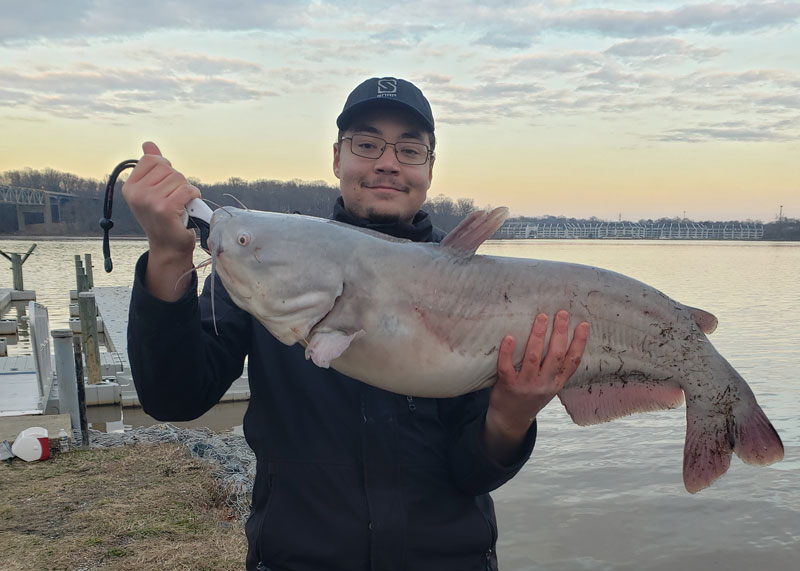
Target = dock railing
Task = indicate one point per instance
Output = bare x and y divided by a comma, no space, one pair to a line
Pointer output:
40,346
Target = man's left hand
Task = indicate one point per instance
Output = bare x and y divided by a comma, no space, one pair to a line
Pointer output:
520,393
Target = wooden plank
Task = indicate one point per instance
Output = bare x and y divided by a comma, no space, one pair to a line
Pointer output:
89,336
11,426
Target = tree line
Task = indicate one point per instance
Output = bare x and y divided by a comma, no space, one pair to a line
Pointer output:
79,216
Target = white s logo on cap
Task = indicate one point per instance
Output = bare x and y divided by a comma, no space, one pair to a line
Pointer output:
387,85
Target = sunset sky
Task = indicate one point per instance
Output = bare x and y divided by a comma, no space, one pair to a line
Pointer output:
639,109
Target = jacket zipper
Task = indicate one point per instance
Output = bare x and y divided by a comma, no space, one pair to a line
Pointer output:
490,549
259,540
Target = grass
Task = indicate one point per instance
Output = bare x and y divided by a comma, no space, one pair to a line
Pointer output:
136,507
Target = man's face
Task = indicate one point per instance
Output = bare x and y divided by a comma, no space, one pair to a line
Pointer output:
383,189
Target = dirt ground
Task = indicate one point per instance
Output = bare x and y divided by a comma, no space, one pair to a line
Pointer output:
148,506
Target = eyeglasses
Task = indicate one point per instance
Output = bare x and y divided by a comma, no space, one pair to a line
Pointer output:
370,147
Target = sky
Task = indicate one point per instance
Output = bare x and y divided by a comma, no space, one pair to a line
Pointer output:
620,109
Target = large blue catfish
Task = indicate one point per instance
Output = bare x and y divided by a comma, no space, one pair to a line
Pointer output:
427,320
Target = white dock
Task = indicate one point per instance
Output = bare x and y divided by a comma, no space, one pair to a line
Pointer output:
26,381
113,304
19,392
7,295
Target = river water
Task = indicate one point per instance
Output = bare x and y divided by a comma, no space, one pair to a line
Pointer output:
610,497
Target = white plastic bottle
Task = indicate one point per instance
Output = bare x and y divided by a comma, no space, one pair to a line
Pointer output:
63,441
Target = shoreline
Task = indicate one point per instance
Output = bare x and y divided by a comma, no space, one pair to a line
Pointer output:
132,237
99,238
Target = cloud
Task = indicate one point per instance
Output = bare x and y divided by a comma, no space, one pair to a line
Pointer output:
557,63
521,28
600,87
661,48
202,64
56,19
503,25
734,132
714,18
546,59
85,90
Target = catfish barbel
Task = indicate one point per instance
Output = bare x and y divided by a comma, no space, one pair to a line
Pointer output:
427,319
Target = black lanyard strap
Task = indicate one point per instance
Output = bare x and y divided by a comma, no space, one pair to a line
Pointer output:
108,202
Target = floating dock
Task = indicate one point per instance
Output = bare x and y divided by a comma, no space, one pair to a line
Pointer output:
113,304
21,390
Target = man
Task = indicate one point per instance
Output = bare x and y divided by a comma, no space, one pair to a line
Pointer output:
349,477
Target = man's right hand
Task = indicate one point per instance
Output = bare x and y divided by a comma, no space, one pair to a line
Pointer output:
156,194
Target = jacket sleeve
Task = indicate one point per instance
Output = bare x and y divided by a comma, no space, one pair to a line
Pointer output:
183,359
474,471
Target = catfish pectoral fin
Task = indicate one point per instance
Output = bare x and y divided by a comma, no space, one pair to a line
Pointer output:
325,346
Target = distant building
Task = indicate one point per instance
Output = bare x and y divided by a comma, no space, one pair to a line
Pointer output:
633,230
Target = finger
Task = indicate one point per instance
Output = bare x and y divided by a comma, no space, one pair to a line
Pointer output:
553,360
146,165
505,359
535,346
160,177
150,148
575,352
183,194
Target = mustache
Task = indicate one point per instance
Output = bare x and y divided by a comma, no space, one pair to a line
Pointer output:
385,182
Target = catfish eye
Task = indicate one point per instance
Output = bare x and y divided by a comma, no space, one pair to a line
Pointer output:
243,239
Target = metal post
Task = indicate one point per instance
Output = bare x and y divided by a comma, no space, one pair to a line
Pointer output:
65,372
76,344
48,212
89,336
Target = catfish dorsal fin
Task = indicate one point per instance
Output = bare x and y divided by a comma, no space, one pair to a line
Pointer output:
705,320
475,229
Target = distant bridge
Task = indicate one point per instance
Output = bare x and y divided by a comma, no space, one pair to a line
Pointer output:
36,206
634,230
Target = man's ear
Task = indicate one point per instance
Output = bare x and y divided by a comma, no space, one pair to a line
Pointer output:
336,147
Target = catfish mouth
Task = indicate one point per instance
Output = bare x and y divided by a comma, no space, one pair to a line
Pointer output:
232,277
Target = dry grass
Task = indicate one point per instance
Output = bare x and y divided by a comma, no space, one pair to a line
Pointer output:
138,507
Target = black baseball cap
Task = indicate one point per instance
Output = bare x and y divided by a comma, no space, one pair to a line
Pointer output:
383,91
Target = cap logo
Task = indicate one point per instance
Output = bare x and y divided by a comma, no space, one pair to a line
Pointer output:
387,87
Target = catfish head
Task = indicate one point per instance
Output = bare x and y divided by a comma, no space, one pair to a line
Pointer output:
274,267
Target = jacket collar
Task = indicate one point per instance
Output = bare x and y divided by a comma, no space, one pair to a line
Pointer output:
419,230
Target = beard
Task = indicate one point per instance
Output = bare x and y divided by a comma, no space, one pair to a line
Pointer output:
377,217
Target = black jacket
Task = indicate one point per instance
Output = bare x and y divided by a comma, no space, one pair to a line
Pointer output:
349,477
